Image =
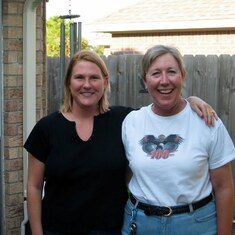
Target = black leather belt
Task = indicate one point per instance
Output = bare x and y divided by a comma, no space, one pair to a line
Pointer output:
167,210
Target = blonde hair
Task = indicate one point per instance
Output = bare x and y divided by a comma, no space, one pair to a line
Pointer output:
85,55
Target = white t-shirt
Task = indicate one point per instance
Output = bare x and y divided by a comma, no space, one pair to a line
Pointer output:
170,157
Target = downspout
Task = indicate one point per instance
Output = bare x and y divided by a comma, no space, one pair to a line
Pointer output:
2,184
29,86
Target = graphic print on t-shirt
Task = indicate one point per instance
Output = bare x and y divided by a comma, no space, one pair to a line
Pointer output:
161,146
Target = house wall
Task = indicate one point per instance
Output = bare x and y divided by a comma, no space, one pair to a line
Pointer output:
13,197
206,43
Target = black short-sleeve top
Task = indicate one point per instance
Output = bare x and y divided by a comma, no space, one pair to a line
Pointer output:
84,180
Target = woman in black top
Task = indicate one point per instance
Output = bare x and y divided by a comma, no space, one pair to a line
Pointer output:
79,155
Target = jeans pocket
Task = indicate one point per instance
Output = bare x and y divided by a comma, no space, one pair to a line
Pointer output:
128,208
206,213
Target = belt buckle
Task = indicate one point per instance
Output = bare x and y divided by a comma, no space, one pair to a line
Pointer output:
170,211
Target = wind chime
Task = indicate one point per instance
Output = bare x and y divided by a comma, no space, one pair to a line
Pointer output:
75,40
75,33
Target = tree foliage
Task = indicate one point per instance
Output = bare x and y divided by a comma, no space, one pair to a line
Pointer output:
53,28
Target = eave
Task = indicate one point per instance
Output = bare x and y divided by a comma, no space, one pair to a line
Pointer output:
205,25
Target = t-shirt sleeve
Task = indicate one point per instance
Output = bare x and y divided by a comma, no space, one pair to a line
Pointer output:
37,142
222,148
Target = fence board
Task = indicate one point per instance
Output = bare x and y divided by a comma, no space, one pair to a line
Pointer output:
188,84
54,83
225,88
212,80
231,119
199,76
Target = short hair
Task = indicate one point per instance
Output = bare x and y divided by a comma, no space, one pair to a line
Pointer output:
158,50
93,57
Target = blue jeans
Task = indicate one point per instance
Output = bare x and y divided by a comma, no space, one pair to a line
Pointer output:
95,232
199,222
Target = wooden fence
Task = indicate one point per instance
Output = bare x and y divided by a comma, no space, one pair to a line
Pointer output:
210,77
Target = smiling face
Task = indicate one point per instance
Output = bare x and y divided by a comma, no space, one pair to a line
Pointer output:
87,84
164,83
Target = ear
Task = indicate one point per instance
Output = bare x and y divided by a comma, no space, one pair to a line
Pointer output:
106,81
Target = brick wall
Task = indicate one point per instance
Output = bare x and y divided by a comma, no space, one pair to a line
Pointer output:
206,43
12,15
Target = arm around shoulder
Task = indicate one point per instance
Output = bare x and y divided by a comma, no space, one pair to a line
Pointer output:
203,109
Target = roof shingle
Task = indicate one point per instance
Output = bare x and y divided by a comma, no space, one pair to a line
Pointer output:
157,12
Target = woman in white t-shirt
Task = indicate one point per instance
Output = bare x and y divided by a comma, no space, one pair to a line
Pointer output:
182,180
